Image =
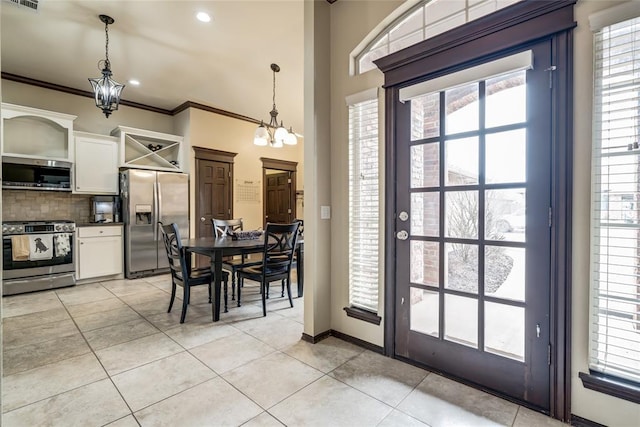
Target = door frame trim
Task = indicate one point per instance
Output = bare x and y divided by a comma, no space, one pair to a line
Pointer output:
491,36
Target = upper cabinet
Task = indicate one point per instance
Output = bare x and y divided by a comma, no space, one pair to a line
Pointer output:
34,133
96,165
144,149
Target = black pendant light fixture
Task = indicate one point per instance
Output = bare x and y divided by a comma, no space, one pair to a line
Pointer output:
280,135
106,90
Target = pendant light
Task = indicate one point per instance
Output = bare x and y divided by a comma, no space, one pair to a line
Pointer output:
281,136
106,90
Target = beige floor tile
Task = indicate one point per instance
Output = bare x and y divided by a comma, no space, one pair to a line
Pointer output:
438,401
163,378
78,407
106,318
85,309
129,355
128,287
18,305
263,420
128,421
146,296
118,334
40,383
83,294
397,418
224,406
152,306
161,278
242,314
231,352
34,319
325,355
386,379
528,418
328,402
13,338
272,378
35,355
279,333
190,334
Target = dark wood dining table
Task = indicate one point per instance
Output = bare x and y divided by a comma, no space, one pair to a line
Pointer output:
218,248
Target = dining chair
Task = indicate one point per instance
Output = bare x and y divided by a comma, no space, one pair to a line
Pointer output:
181,272
277,257
225,228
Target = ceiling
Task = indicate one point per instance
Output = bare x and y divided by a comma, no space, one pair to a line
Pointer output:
223,64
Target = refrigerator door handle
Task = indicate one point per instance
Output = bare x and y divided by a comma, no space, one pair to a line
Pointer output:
159,207
155,217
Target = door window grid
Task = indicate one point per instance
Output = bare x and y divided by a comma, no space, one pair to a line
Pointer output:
615,255
364,205
462,195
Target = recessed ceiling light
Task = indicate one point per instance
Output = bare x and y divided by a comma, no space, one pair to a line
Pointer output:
203,17
134,82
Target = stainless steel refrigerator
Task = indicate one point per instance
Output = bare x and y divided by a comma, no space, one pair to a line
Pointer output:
148,197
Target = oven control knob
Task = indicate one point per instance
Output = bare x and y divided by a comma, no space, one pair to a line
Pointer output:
58,227
5,229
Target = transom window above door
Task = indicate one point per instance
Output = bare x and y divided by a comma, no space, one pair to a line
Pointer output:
416,21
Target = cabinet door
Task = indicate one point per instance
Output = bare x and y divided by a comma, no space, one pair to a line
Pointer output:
99,256
96,165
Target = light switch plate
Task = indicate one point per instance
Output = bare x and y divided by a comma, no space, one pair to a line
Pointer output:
325,212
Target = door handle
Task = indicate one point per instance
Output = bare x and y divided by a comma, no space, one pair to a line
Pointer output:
402,235
202,219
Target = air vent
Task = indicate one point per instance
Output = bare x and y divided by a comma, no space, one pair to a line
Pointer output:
28,4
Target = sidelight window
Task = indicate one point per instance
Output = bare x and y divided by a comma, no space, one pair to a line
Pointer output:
615,247
364,201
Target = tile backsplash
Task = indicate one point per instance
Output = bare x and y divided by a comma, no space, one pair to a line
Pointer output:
29,205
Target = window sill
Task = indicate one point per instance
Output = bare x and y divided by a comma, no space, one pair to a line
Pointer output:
363,315
611,385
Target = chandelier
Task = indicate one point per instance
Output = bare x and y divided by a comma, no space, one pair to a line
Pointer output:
280,135
106,90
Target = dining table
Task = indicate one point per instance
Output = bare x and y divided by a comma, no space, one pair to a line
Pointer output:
217,248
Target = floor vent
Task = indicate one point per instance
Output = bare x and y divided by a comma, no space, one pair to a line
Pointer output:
28,4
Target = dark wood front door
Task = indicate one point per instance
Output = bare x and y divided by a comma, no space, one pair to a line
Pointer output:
473,257
278,198
214,194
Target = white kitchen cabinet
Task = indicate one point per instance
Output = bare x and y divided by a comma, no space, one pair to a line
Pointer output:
38,134
96,164
100,251
145,149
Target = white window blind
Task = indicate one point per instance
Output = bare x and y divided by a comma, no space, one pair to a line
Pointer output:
364,202
615,257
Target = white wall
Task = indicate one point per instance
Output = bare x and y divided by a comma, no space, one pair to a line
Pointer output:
351,21
215,131
585,403
90,117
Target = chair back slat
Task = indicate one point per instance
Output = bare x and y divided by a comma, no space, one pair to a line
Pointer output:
175,252
226,227
279,246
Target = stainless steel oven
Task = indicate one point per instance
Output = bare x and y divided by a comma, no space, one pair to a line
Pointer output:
37,255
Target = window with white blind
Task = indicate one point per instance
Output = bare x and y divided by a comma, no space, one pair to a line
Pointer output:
615,257
364,201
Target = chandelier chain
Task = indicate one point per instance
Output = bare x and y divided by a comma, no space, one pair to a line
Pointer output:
106,46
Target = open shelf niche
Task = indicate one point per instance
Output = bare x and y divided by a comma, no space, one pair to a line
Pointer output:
145,149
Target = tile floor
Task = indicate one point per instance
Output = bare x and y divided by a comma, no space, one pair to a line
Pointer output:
108,354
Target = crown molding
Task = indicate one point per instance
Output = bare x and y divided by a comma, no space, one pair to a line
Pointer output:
87,94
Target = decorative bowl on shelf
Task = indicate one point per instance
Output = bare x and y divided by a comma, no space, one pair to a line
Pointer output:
247,235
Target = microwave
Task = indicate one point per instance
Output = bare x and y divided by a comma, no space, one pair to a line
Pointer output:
36,174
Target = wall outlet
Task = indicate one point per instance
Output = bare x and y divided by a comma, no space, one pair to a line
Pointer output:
325,212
